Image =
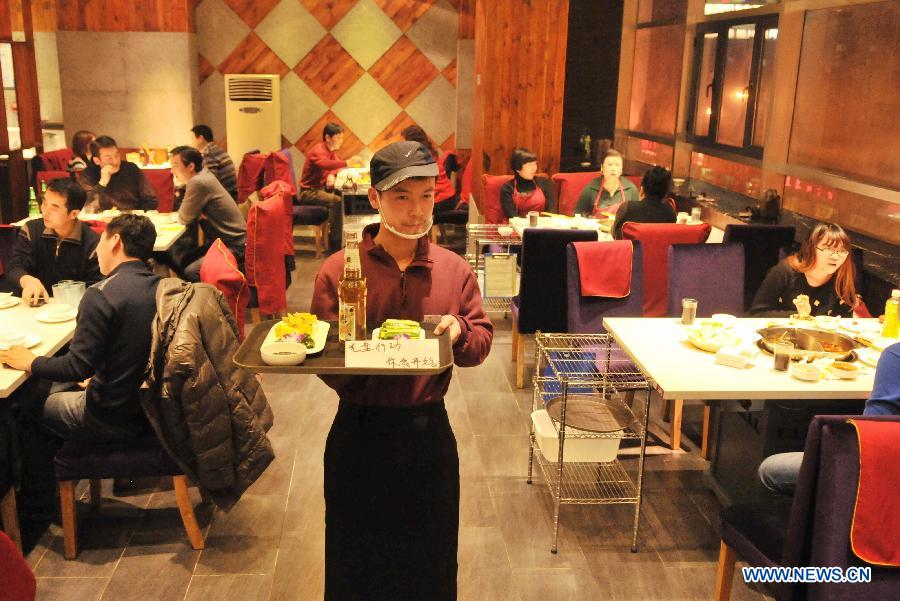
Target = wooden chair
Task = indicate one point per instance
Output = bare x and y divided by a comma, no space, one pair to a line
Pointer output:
812,529
542,300
142,458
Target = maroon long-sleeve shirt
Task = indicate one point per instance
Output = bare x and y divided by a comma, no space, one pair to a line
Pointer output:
437,282
320,162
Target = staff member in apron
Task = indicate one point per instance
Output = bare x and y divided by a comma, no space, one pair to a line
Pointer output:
391,464
525,192
609,191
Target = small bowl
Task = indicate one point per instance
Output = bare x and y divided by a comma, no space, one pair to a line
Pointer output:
806,371
505,230
283,353
844,370
828,322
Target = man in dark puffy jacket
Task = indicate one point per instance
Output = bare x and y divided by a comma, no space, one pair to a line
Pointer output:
111,344
56,246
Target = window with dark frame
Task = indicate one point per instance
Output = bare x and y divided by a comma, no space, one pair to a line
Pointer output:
733,71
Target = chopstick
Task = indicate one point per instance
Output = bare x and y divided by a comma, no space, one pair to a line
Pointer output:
868,343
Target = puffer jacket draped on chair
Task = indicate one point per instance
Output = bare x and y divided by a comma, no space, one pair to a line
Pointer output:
210,415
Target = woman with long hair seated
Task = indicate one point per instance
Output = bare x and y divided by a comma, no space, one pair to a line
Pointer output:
525,192
652,207
819,280
445,196
81,147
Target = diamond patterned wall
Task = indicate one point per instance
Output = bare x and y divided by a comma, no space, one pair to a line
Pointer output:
374,66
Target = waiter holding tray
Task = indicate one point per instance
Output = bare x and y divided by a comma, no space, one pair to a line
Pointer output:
391,464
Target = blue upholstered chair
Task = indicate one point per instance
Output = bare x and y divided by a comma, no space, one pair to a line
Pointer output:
714,275
541,303
142,458
762,247
813,529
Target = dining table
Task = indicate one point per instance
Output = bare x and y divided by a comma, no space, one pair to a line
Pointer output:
602,226
168,229
47,338
748,412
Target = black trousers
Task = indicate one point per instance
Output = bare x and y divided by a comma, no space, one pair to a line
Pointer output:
391,504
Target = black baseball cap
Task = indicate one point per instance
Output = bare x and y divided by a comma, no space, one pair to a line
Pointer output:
399,161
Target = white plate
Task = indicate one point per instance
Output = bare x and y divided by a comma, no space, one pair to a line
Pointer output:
377,331
7,302
31,341
46,317
858,326
320,335
869,356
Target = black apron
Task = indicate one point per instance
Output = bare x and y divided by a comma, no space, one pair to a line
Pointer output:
391,504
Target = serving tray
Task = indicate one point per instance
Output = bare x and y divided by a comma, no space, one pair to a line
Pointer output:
331,360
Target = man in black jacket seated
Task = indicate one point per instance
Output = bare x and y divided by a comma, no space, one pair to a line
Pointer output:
653,207
56,246
111,344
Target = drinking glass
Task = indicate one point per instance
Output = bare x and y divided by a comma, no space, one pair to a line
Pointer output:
782,352
61,292
532,218
75,292
681,218
696,213
688,310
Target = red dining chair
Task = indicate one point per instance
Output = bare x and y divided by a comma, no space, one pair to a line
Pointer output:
251,174
220,268
164,186
656,238
18,583
45,177
55,160
493,212
269,241
98,226
570,187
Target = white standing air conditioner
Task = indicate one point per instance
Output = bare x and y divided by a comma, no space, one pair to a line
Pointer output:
252,114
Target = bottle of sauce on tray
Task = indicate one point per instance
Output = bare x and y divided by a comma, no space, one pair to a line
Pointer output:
352,296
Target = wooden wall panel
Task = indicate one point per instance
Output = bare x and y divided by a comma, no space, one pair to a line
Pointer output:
136,15
520,61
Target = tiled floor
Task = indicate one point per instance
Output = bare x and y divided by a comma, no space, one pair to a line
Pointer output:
270,546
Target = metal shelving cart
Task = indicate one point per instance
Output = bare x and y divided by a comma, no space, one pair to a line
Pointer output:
589,387
478,236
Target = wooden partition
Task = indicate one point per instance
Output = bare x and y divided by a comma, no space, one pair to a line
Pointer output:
520,63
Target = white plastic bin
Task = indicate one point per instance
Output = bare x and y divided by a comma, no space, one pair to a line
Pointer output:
581,450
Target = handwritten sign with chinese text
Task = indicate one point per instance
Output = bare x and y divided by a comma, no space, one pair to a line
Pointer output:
392,354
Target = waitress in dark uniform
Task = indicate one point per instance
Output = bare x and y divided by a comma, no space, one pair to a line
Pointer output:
525,192
607,192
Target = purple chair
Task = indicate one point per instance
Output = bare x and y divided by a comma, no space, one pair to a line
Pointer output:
585,313
814,528
95,461
714,275
762,246
711,273
541,303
